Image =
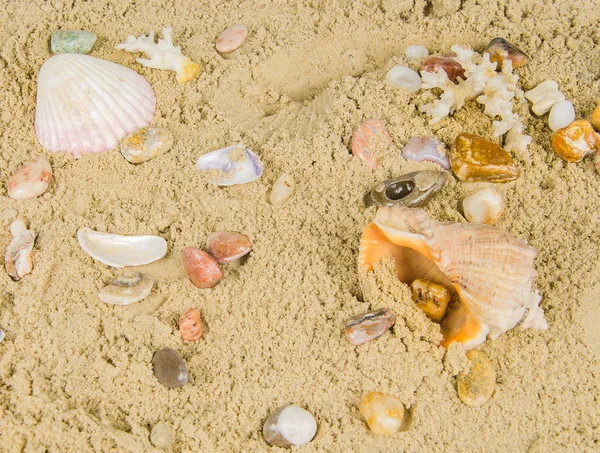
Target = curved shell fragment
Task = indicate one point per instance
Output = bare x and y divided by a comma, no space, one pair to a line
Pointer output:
17,259
120,251
229,166
128,288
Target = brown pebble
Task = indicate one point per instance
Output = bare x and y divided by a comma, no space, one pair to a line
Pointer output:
228,246
477,386
369,326
500,50
431,298
190,325
474,159
169,368
201,268
575,141
453,68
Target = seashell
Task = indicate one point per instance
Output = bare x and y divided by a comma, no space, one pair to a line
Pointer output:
489,270
453,68
430,149
544,96
201,268
120,251
483,206
290,425
169,368
473,159
85,104
367,327
500,50
596,117
228,246
477,386
190,325
128,288
412,190
368,138
31,180
232,38
17,259
385,414
575,141
415,51
282,190
405,78
561,115
431,298
232,165
145,144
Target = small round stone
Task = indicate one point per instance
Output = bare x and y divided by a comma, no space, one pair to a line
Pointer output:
405,78
17,227
561,115
169,368
483,206
385,414
31,180
368,139
228,246
201,268
476,387
162,435
282,190
190,325
232,38
415,51
72,41
290,425
146,143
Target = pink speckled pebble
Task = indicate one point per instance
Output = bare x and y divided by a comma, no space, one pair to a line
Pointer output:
232,38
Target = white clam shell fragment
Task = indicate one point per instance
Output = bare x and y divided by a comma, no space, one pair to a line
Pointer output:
128,288
85,104
290,425
17,259
232,165
282,190
405,78
544,96
483,206
561,115
120,251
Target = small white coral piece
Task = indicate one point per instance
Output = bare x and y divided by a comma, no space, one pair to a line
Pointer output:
162,55
544,96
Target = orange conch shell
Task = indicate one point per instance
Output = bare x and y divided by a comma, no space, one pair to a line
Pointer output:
491,271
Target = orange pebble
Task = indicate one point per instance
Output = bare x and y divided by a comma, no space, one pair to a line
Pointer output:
228,246
575,141
366,139
190,325
202,269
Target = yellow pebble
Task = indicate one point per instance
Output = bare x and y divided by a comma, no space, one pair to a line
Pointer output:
476,387
431,298
575,141
384,414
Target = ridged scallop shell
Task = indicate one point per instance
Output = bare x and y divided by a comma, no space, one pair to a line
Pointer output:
85,104
120,251
491,271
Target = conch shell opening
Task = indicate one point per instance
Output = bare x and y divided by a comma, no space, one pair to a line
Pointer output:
489,271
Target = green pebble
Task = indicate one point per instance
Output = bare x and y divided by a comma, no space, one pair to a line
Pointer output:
72,41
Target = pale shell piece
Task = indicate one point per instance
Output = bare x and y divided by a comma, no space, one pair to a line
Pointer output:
290,425
17,227
1,335
491,271
17,259
430,149
369,326
415,51
85,104
544,96
561,115
128,288
232,38
477,386
31,180
483,206
232,165
405,78
282,190
120,251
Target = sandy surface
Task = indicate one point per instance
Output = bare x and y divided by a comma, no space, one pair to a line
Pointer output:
75,373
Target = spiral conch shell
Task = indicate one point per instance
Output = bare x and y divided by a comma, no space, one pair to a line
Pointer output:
489,270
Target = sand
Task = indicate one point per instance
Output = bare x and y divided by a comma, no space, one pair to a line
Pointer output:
75,373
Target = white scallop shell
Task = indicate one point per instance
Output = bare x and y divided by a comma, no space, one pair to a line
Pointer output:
120,251
85,104
233,165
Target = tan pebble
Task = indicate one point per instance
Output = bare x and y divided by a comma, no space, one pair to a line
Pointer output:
282,190
368,138
369,326
31,180
385,414
596,117
162,435
190,325
500,50
228,246
431,298
575,141
476,386
232,38
201,268
483,206
146,143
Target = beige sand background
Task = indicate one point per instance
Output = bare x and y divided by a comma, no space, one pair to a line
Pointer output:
75,373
